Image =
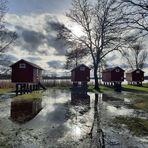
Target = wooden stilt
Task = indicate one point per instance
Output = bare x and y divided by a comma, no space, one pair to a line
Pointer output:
17,87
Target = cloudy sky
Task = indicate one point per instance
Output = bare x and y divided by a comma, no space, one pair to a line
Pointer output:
33,22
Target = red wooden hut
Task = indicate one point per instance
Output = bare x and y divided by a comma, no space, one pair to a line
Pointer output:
80,74
135,76
26,75
25,72
113,76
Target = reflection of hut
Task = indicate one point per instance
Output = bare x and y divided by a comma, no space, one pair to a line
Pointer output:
26,75
80,99
80,74
135,76
113,77
22,111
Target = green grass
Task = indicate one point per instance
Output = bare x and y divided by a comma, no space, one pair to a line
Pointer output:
141,103
136,88
6,90
145,85
102,89
129,88
31,96
137,126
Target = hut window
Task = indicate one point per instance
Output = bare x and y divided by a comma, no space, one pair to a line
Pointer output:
138,71
117,70
82,68
22,65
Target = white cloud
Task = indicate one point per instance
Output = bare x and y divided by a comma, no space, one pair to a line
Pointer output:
37,44
36,41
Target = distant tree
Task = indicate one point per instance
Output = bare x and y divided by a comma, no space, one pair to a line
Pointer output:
6,37
135,55
75,56
102,25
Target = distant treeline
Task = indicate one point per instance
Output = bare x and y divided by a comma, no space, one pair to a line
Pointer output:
7,77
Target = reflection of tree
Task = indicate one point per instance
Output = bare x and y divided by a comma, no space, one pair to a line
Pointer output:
79,107
98,136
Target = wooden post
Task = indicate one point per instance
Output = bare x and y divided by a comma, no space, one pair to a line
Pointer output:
30,87
27,88
24,88
38,87
17,87
21,88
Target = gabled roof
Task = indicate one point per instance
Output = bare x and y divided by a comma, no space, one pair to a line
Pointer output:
111,69
133,70
32,64
80,66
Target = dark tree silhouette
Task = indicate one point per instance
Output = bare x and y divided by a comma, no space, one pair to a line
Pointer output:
135,55
75,56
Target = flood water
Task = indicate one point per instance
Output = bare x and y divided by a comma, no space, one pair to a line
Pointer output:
64,119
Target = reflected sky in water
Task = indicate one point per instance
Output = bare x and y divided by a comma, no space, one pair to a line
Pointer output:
61,117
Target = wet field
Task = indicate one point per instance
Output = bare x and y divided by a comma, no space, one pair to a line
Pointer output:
63,119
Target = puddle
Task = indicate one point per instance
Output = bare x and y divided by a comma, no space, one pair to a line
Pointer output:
23,111
126,100
118,111
65,119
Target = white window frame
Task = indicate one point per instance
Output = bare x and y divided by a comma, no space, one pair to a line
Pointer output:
22,65
117,70
82,68
138,72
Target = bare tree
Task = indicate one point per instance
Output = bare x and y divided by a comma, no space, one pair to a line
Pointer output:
136,14
101,23
75,56
135,55
6,36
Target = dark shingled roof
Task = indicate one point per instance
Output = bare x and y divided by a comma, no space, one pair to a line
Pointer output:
80,66
133,70
111,69
32,64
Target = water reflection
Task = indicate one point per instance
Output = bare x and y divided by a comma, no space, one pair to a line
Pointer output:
23,111
69,117
80,109
80,99
116,111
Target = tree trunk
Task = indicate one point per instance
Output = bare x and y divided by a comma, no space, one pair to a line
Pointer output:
96,78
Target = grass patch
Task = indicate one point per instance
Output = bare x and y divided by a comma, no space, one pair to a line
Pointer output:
145,85
102,89
135,88
31,96
6,90
137,126
141,104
